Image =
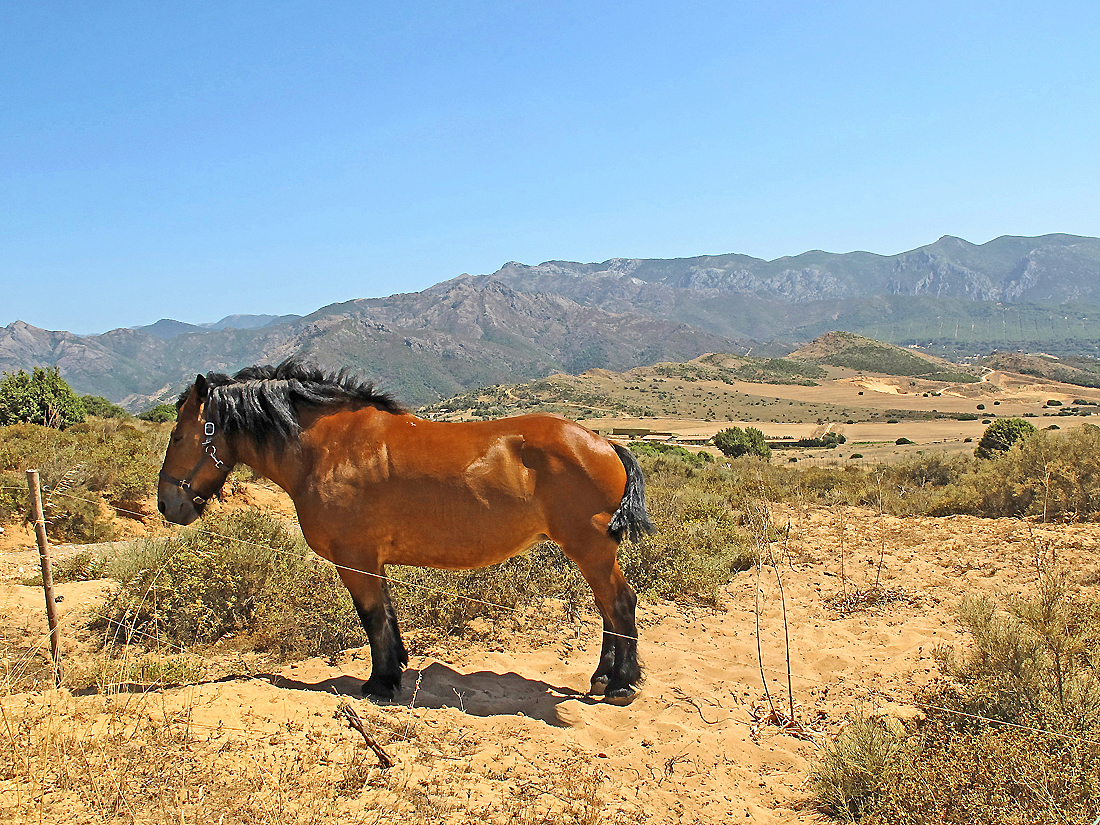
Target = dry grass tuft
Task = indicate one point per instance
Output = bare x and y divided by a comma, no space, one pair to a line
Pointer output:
869,599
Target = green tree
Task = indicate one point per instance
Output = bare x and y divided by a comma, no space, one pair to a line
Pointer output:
43,397
100,407
1002,434
160,413
736,442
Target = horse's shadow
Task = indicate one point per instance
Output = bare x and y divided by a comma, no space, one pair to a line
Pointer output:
484,693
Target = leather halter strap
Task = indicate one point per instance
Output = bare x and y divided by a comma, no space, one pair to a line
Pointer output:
185,485
208,452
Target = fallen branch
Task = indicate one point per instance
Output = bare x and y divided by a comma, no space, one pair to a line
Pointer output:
352,718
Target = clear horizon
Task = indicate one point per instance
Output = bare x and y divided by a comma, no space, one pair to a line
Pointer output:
202,162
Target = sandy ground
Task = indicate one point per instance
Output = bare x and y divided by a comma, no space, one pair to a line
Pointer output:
495,727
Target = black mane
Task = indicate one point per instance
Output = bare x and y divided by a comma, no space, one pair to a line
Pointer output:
263,402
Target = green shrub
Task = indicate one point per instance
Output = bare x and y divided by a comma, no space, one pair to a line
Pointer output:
657,448
735,442
43,397
100,407
853,773
1001,435
159,414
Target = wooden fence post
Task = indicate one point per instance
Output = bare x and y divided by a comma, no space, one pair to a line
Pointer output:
47,571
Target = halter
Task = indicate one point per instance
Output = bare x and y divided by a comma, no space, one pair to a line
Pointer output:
209,451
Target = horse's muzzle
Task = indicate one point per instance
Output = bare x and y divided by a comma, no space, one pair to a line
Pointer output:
176,506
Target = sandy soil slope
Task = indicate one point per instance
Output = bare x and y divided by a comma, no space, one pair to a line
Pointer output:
494,726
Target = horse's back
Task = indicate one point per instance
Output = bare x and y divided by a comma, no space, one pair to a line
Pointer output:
549,445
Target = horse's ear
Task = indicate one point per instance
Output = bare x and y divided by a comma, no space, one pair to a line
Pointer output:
200,387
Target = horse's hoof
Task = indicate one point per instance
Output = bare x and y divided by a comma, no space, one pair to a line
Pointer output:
378,692
598,687
620,696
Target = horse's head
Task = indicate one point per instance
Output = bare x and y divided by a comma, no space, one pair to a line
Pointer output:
197,462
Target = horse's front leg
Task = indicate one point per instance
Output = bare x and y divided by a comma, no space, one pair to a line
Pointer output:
371,594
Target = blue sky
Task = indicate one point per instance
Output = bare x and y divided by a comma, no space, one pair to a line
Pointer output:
201,159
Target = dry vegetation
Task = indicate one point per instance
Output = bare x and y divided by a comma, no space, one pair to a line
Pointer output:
928,606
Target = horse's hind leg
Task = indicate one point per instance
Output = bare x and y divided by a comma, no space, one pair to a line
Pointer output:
618,672
371,595
607,660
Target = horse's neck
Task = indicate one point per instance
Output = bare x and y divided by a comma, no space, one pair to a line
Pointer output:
281,466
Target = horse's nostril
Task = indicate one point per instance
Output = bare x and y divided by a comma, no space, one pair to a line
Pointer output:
160,506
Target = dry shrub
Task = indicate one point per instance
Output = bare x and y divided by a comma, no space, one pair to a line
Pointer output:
79,517
84,566
137,758
698,545
1034,667
447,599
1055,475
853,773
100,460
13,497
142,765
244,573
989,777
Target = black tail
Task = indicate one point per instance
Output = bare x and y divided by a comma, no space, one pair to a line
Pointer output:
630,520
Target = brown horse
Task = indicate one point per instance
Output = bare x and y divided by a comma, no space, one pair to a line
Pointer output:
375,485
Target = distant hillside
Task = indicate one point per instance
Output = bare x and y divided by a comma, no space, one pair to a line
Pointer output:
166,328
961,298
1083,372
420,346
951,298
711,388
845,349
1008,269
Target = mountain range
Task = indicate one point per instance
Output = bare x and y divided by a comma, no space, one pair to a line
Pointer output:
524,322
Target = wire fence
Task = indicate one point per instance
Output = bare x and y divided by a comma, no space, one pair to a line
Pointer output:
42,643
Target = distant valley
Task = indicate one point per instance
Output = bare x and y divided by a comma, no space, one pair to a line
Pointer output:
953,298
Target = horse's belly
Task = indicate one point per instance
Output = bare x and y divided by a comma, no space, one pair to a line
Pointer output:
456,555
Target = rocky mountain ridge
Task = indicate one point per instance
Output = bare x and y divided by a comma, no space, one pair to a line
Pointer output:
1055,267
421,346
523,322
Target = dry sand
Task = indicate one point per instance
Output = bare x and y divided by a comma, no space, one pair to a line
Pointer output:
494,727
